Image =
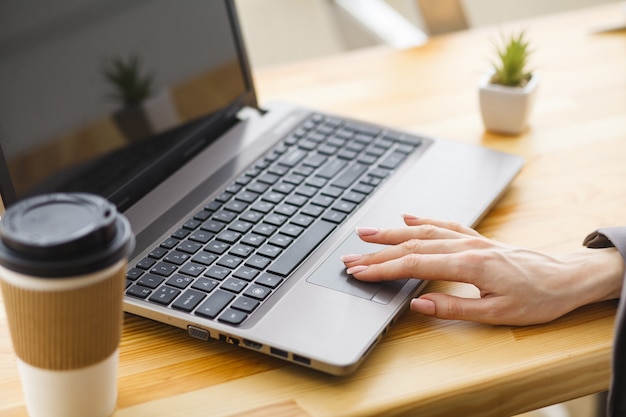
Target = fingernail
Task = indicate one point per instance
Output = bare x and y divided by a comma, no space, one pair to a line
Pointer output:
409,216
356,269
366,231
423,306
350,258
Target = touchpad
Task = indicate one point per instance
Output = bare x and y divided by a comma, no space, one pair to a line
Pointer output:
332,274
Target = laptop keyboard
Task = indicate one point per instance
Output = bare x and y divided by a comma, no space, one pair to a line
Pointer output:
232,255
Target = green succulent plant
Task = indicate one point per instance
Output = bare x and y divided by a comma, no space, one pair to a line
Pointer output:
511,66
129,86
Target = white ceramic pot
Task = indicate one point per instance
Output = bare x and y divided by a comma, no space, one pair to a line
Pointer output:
506,109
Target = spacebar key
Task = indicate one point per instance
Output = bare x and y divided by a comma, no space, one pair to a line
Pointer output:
302,247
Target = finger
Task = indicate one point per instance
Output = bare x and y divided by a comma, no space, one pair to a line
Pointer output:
446,267
412,220
449,307
401,234
408,247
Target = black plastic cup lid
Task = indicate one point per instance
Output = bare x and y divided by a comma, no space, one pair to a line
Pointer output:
63,234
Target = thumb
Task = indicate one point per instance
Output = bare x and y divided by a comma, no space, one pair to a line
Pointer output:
449,307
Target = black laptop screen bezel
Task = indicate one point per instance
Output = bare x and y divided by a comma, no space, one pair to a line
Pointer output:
201,135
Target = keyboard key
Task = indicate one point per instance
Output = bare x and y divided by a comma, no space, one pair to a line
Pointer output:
163,269
217,272
169,243
253,240
322,200
202,215
146,263
302,220
229,261
164,295
276,219
234,285
353,197
213,226
233,317
257,292
349,176
286,209
157,253
246,273
150,281
333,192
264,229
245,304
176,257
334,216
282,241
344,206
243,251
201,236
228,236
134,273
292,158
188,300
215,304
189,246
291,230
269,280
258,261
179,281
139,291
225,216
205,284
251,216
393,160
311,210
247,196
181,233
192,224
236,206
217,247
295,254
241,226
191,269
204,258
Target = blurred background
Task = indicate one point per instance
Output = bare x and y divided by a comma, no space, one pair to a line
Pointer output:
279,31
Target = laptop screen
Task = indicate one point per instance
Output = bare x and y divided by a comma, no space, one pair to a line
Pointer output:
111,96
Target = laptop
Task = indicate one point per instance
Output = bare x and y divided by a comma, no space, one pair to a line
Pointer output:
241,211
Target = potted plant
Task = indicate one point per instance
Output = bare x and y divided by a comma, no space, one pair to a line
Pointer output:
130,88
507,91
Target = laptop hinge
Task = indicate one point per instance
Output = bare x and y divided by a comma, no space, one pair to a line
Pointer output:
247,113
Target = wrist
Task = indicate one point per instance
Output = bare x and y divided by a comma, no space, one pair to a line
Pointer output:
596,275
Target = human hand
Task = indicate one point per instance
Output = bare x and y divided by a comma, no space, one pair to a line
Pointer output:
517,286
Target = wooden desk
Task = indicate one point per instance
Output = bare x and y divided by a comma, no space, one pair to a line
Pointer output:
573,183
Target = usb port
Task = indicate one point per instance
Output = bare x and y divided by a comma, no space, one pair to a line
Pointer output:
301,359
254,345
279,352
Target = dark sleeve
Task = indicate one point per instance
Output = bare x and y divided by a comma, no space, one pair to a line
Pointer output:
603,238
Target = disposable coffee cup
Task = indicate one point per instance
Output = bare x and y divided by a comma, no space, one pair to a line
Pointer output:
62,271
